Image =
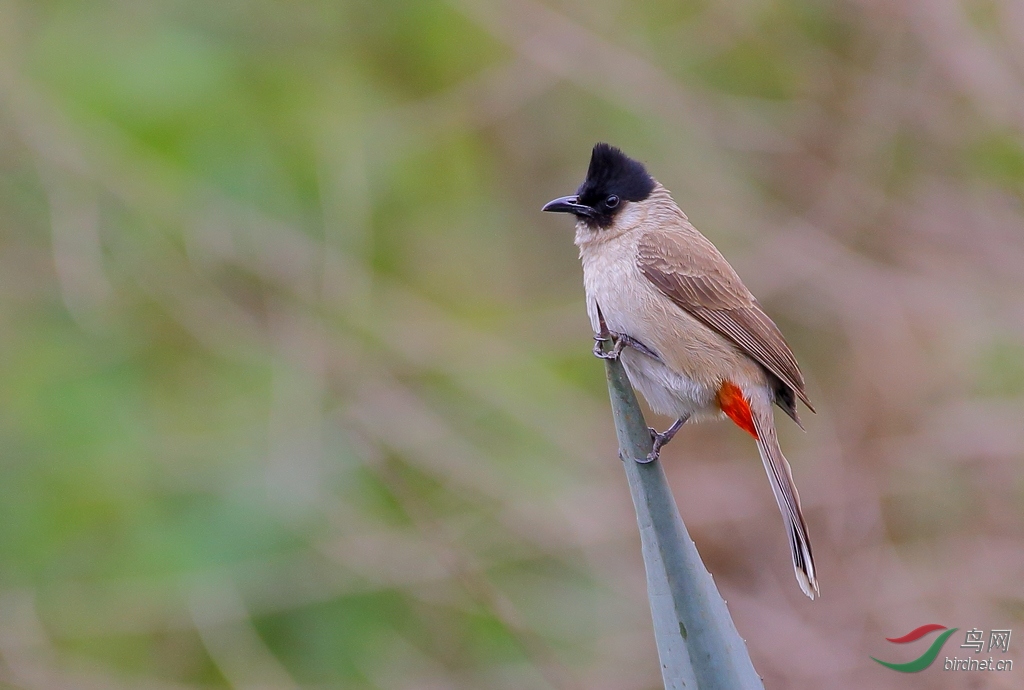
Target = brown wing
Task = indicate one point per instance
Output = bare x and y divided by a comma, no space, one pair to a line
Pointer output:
697,278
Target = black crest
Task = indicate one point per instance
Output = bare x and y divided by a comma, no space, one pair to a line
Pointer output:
613,174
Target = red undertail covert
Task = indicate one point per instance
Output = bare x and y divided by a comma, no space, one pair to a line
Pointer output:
736,407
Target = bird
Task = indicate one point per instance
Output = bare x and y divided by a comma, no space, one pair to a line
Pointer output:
690,335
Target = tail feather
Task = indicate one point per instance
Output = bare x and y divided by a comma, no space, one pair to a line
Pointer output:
781,478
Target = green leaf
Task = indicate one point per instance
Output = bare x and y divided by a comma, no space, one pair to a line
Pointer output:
698,644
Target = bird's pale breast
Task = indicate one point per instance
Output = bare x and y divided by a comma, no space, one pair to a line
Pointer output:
694,360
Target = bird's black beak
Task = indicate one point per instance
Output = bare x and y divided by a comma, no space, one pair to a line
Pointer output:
569,204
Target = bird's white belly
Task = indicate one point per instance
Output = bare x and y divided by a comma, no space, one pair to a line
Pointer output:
669,392
632,306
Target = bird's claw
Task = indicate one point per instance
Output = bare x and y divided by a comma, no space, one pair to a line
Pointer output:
639,461
612,354
659,440
619,342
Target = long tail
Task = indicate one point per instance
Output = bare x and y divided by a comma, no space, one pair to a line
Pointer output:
786,496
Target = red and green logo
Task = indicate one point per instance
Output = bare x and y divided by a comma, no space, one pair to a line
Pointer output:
925,660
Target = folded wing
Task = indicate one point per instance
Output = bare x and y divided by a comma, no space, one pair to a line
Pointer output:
699,280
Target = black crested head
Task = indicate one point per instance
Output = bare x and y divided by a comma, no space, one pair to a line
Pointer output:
613,177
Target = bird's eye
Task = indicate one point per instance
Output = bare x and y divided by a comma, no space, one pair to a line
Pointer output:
612,201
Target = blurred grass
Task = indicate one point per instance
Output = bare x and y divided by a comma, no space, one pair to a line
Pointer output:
296,381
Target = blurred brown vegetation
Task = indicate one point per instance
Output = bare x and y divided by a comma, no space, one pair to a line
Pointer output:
296,379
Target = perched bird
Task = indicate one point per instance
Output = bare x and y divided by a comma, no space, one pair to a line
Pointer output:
690,335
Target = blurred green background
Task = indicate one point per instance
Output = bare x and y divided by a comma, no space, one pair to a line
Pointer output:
295,379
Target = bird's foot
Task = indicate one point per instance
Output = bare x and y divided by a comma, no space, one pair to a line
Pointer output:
612,354
661,440
619,341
